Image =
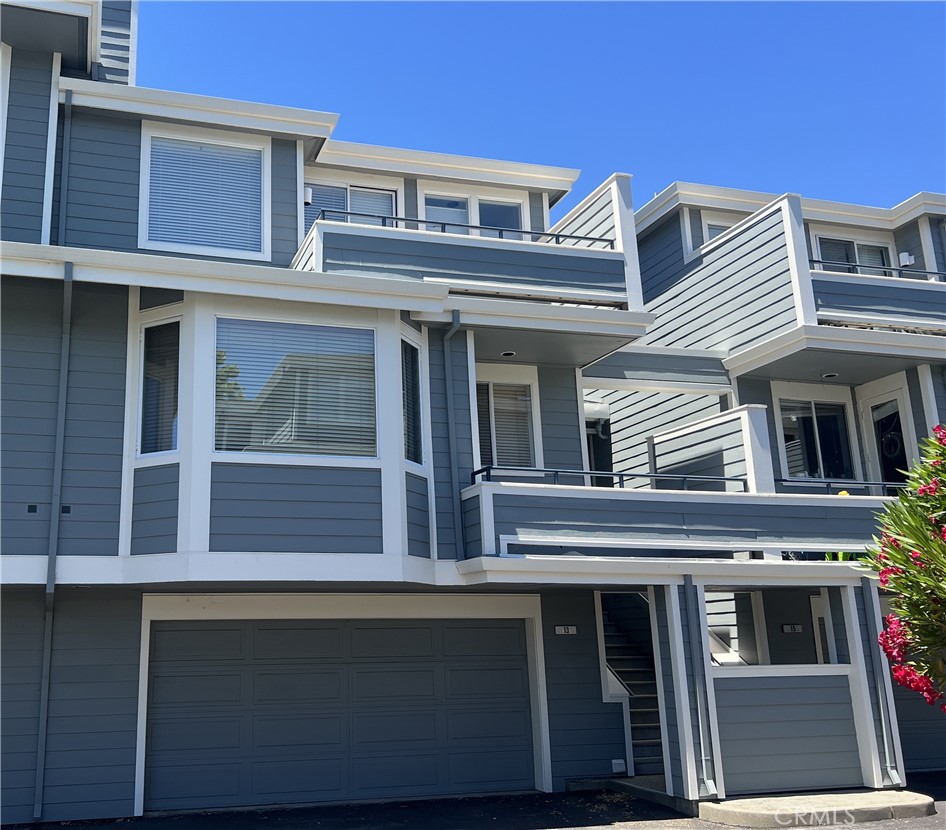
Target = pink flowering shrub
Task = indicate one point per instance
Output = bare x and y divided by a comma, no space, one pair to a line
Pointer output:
910,560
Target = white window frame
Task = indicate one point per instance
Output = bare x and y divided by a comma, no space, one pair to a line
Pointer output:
523,376
856,236
816,393
153,129
474,195
348,185
299,459
708,217
149,322
893,387
416,339
341,178
730,219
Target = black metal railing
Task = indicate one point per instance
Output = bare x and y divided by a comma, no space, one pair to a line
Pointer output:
876,270
618,480
382,221
834,487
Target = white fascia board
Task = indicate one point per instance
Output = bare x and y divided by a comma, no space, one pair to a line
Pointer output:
201,109
423,164
236,279
581,570
600,189
816,210
923,347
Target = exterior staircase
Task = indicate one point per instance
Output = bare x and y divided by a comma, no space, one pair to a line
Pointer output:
626,622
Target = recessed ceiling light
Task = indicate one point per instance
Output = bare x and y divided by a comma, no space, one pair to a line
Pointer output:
829,375
507,354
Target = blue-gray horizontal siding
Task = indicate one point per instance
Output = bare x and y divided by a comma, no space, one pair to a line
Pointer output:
472,527
563,430
716,519
418,516
636,415
24,161
94,427
289,509
360,255
585,734
922,731
672,368
938,229
907,241
115,43
661,257
93,704
596,218
939,392
536,211
670,691
787,733
447,547
102,204
903,300
155,509
738,294
716,450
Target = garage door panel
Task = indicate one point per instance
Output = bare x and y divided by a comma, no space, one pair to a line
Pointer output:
176,644
197,690
380,640
483,681
390,684
325,711
325,686
319,733
274,642
379,730
176,736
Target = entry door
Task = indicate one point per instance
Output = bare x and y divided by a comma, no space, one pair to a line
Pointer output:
886,423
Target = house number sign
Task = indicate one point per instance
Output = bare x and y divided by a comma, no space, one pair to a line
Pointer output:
792,628
566,629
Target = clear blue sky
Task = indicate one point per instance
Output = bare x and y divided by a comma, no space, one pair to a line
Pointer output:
843,101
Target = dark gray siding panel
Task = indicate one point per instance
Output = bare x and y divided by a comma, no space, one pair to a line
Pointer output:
809,720
446,535
922,731
95,401
472,528
744,290
670,691
759,391
907,241
155,509
336,710
155,297
415,258
920,427
925,302
30,336
636,415
115,45
286,509
716,519
95,421
660,251
713,451
939,392
90,758
24,171
562,427
789,604
585,733
938,229
410,198
536,211
285,202
418,516
593,219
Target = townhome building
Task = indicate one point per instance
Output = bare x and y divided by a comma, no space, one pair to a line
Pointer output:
335,472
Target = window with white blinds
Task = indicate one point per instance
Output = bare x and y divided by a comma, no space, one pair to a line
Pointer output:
294,388
337,200
410,395
205,196
160,371
849,257
505,424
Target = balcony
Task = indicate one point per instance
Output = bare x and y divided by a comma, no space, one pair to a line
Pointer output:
470,259
710,491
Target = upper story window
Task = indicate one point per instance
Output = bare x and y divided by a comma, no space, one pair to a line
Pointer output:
453,212
850,257
410,398
160,373
716,224
294,388
337,200
815,430
491,213
508,423
204,192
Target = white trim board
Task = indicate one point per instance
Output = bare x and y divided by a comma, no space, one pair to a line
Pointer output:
52,126
351,606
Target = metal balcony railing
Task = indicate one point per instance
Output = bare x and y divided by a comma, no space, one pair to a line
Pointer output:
875,270
831,486
618,480
548,237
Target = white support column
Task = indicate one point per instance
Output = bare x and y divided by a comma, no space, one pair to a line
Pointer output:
661,699
681,696
625,234
928,397
926,245
760,472
798,265
390,426
52,127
